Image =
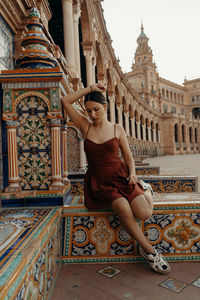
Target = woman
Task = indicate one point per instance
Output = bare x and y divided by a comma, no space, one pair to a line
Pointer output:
110,182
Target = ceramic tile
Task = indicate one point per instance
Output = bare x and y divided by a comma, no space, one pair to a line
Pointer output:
196,282
109,271
173,285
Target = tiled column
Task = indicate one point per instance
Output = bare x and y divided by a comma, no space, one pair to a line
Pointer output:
56,181
68,28
76,16
13,170
64,153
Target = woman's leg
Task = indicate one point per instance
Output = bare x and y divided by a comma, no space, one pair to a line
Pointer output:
125,212
142,206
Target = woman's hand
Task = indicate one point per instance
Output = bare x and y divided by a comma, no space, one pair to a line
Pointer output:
98,87
132,179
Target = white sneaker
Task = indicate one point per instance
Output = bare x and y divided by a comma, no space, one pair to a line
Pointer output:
146,186
156,261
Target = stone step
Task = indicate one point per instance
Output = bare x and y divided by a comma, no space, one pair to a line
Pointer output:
97,236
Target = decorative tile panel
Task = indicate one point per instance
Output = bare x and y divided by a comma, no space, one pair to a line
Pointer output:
33,144
172,184
147,170
32,272
97,236
159,184
73,150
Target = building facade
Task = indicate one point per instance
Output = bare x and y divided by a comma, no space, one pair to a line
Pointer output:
159,116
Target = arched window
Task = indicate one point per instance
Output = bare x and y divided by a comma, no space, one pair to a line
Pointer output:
136,129
147,132
195,135
157,137
176,133
183,133
141,127
190,134
152,131
116,114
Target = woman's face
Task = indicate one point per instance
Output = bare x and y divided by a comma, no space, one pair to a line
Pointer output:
96,111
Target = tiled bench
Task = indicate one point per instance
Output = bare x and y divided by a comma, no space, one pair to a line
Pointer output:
97,236
30,252
160,184
145,170
172,184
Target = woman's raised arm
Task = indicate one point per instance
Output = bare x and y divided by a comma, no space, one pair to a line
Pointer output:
78,119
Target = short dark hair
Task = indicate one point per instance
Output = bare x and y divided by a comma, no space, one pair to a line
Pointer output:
96,97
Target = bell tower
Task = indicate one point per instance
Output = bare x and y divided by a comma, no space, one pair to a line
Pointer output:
143,54
144,77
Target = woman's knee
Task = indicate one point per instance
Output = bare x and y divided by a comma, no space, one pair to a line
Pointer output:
141,208
121,207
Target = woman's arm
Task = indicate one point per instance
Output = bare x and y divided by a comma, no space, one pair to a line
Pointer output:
78,119
126,152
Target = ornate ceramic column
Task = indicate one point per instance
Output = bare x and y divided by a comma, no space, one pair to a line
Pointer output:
13,171
64,153
56,177
68,28
76,16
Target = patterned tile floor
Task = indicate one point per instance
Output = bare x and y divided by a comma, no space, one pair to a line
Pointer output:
127,281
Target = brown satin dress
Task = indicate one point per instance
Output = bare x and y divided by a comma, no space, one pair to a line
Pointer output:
106,177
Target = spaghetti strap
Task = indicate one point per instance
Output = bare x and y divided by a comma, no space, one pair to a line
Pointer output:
87,131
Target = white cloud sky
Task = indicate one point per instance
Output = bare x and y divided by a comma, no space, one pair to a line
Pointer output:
173,29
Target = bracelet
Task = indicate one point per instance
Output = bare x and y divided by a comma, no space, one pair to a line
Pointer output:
91,88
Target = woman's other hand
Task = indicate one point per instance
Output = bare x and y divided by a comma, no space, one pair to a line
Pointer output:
132,179
98,87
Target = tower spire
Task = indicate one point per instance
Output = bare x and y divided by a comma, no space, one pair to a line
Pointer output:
142,27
